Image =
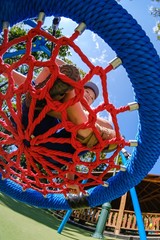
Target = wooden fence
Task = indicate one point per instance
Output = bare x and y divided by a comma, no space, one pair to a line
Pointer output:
90,217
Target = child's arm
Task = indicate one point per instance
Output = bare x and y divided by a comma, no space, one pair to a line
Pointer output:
78,116
46,72
19,78
104,123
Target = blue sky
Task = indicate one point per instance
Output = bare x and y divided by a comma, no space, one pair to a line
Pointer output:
99,53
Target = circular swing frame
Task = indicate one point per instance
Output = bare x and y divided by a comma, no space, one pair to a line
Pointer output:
123,34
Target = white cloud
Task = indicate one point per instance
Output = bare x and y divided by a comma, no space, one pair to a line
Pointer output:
97,45
95,39
93,36
100,59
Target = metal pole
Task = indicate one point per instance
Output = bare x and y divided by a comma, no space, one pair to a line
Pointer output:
102,221
140,224
135,203
66,217
64,221
100,227
69,212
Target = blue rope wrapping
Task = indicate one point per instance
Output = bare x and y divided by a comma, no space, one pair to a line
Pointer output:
116,27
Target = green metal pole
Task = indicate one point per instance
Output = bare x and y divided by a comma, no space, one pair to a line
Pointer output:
106,207
100,227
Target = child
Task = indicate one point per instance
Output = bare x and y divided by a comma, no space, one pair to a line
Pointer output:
62,91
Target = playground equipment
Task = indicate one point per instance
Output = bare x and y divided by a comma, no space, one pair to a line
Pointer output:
116,27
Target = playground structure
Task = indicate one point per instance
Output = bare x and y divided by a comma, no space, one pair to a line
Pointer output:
140,61
122,219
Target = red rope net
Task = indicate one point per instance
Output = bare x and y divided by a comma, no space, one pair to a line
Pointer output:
23,157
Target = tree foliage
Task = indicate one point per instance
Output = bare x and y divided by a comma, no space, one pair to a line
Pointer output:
155,12
20,30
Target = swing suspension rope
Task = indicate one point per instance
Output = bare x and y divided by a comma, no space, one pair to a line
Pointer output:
25,161
123,34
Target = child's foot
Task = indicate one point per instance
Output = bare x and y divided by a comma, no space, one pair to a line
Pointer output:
110,148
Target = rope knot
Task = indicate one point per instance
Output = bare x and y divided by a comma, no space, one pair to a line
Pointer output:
26,143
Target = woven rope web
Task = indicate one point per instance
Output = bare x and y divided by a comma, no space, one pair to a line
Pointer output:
23,155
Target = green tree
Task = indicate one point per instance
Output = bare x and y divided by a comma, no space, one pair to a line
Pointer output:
20,30
155,12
